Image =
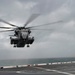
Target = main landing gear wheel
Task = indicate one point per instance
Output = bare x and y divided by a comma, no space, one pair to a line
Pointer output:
28,45
14,45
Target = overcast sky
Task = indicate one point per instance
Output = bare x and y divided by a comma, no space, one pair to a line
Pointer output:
59,42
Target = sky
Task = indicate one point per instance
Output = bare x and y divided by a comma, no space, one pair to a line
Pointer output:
57,42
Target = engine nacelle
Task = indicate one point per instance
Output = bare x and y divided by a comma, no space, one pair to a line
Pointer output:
14,40
30,40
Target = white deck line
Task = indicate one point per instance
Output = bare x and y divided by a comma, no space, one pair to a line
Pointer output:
39,64
9,66
49,70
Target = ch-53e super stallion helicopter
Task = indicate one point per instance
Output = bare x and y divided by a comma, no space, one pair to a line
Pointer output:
21,35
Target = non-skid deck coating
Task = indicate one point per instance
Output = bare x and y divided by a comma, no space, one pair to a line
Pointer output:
60,69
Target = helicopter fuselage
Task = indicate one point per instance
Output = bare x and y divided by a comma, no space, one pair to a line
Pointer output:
21,38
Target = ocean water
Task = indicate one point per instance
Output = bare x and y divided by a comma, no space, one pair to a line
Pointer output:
15,62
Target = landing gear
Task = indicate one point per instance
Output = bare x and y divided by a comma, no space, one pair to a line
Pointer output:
28,45
14,45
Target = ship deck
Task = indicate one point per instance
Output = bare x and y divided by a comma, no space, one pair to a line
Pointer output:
55,69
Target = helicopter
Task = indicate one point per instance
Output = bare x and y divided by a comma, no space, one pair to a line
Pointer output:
21,36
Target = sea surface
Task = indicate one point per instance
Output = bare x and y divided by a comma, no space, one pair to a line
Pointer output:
15,62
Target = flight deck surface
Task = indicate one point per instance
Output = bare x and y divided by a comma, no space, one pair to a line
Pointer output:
59,69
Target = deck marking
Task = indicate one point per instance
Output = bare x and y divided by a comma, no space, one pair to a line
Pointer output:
18,71
54,71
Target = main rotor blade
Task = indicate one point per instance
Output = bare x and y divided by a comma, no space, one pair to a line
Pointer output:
7,23
45,24
32,17
6,30
5,27
42,29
